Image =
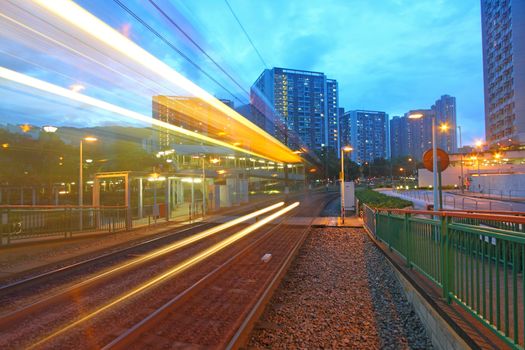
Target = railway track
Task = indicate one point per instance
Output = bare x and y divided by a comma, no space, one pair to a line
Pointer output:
34,277
102,308
220,310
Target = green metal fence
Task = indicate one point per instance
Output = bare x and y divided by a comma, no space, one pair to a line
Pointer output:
477,260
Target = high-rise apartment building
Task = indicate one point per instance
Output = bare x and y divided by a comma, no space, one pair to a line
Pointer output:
368,132
398,137
306,102
503,33
445,111
412,137
419,133
332,114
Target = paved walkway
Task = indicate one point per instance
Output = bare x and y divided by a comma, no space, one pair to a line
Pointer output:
421,198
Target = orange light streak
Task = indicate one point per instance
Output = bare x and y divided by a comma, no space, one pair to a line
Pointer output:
172,272
78,17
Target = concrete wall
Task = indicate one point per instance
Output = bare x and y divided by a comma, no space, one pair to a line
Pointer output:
440,332
449,177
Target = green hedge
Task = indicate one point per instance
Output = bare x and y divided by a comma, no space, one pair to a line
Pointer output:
378,200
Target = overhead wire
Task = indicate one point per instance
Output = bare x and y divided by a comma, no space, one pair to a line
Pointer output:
172,46
246,33
169,19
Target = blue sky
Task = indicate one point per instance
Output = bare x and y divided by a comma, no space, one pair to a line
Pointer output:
389,55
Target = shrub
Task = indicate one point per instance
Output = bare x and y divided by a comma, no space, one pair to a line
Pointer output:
379,200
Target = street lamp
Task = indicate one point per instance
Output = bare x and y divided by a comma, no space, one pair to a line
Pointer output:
343,150
412,171
434,158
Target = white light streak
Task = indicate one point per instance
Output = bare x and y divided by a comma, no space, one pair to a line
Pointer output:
178,268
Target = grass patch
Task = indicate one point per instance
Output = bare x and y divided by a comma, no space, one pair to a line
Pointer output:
378,200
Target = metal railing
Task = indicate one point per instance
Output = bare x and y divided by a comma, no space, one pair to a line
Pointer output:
463,202
477,259
25,222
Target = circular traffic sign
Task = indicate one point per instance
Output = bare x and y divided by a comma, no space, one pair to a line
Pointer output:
442,158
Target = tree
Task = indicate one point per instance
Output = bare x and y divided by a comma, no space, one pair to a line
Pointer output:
352,171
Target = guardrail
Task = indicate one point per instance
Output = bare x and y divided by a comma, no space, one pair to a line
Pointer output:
464,203
477,259
24,222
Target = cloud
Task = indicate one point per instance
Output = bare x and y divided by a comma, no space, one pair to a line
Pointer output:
391,55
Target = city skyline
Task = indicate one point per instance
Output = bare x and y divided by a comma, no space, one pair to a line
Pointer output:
379,61
433,60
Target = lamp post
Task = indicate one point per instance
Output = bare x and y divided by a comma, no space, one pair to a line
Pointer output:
343,150
434,158
461,159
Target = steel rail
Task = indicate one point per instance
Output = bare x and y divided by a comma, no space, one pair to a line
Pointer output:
59,272
8,318
241,335
127,338
32,280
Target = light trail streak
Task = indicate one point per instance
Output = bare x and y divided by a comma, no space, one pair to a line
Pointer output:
72,50
75,96
78,17
172,272
180,244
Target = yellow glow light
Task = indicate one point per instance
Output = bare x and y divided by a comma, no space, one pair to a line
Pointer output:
5,145
479,143
76,16
180,267
25,128
444,127
90,139
347,149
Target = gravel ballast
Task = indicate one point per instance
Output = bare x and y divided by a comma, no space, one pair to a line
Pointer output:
339,293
